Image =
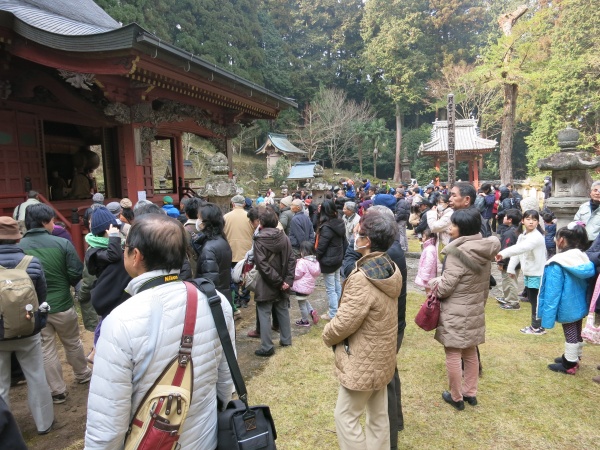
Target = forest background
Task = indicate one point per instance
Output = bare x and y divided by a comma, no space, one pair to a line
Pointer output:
370,76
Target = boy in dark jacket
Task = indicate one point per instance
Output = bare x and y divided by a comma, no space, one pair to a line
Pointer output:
105,252
550,229
510,301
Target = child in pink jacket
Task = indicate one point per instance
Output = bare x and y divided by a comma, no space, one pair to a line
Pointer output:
307,271
428,261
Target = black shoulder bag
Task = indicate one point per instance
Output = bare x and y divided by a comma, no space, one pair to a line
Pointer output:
240,426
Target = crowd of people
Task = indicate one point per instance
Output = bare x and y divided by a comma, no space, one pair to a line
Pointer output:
132,296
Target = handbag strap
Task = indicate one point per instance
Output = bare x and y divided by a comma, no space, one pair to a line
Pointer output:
187,337
214,301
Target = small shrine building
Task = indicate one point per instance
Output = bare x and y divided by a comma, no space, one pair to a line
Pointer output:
470,146
276,146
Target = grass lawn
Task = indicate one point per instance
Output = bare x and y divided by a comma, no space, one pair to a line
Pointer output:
522,404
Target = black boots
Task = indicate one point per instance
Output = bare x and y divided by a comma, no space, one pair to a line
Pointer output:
564,366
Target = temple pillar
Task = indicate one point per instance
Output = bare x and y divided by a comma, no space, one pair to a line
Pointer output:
177,163
131,161
470,171
476,174
437,164
229,154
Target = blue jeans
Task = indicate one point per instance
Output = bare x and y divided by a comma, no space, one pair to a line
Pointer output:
333,288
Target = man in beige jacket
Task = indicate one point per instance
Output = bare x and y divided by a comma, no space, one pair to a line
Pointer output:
238,232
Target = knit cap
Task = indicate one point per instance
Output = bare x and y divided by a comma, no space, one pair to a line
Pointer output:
101,221
168,200
125,203
98,198
287,201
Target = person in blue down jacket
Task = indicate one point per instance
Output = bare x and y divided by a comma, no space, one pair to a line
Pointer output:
562,296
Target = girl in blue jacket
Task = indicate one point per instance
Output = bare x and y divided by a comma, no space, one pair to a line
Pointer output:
562,296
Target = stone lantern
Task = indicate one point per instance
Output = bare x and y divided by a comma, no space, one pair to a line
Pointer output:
318,186
571,181
219,189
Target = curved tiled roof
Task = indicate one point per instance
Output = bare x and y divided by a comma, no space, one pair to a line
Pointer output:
467,138
66,17
281,143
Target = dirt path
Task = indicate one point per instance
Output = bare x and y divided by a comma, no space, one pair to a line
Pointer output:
71,415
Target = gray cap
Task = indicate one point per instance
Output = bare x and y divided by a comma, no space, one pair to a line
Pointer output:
114,208
98,198
238,200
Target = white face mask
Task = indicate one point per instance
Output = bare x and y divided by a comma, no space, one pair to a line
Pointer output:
198,223
357,248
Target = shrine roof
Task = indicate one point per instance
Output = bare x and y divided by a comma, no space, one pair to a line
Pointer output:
65,17
281,143
302,170
467,138
81,26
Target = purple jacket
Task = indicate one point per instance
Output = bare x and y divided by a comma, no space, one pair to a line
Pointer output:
307,271
427,263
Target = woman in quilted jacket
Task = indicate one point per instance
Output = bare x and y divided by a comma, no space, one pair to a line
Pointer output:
463,290
563,293
363,334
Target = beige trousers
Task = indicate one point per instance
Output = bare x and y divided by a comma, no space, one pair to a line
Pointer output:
348,409
455,357
65,325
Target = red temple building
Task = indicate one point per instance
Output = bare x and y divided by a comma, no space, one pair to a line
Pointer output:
71,77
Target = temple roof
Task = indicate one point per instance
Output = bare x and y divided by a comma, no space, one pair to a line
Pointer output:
281,143
65,17
467,139
78,36
302,170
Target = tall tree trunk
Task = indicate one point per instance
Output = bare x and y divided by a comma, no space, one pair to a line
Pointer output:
360,159
508,130
375,165
506,22
397,174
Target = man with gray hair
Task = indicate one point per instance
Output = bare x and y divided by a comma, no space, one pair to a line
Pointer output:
350,218
589,213
301,228
396,253
19,213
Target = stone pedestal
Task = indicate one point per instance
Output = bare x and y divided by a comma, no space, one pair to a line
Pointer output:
219,189
571,181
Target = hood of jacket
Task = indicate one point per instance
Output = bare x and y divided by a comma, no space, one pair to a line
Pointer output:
575,262
271,238
337,225
312,265
473,251
381,272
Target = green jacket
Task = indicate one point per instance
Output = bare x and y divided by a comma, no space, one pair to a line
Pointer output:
60,262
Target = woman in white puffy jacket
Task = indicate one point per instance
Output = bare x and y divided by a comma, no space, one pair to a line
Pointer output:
530,252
